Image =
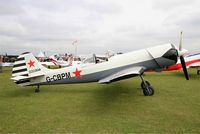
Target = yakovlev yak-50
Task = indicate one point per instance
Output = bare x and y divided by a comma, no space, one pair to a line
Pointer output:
27,71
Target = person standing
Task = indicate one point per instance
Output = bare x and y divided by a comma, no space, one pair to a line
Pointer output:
1,61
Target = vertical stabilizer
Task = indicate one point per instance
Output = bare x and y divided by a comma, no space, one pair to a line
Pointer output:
25,67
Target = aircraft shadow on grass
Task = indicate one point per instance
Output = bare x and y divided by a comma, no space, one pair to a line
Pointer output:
106,96
100,98
108,91
179,74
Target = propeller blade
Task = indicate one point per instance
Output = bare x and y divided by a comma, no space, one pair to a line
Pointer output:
180,44
184,67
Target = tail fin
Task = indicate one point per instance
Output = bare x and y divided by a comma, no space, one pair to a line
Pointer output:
25,67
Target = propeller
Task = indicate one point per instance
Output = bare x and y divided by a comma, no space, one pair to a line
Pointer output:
181,53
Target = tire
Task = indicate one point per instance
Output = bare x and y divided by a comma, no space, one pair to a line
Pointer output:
148,91
198,72
37,90
143,85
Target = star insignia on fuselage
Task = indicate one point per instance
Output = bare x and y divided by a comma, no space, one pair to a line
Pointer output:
77,73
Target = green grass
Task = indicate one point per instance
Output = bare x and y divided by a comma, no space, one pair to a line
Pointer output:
114,108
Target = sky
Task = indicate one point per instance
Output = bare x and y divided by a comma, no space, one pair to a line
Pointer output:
98,26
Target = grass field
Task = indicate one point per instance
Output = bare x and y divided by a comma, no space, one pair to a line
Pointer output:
115,108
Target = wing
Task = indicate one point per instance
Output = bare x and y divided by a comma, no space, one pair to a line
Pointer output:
123,74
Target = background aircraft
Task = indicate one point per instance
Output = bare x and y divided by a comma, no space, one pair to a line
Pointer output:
192,61
7,64
52,61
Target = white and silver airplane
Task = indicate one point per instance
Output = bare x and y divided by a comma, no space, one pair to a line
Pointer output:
27,71
7,64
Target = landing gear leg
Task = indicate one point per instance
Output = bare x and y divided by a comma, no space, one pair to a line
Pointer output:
147,88
37,90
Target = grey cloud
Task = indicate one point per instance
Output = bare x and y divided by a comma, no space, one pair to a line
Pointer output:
188,22
51,25
104,7
192,21
172,5
11,7
11,29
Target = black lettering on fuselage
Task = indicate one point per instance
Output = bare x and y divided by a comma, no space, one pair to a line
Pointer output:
54,78
48,79
68,75
62,75
58,77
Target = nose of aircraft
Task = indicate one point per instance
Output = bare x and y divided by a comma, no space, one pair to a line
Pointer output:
171,54
182,52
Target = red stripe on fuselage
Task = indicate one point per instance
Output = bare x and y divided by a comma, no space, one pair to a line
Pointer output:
54,61
178,66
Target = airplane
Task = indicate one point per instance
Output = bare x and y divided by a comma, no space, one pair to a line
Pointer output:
27,71
191,60
73,60
7,64
53,61
47,61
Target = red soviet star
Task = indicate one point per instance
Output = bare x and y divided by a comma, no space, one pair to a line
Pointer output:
77,72
31,63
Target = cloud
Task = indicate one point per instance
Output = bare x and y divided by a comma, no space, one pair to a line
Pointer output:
51,25
172,5
10,7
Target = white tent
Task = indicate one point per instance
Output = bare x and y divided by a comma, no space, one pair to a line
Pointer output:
41,55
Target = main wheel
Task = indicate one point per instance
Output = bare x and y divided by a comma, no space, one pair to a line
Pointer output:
198,72
143,85
37,90
148,91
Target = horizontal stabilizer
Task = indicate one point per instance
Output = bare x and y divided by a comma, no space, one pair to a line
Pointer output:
18,78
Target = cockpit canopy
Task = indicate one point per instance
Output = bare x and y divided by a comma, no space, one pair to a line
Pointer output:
92,58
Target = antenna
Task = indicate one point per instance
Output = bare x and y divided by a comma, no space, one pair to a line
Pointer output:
75,44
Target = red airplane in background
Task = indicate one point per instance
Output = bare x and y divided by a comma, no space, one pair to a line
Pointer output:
191,61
